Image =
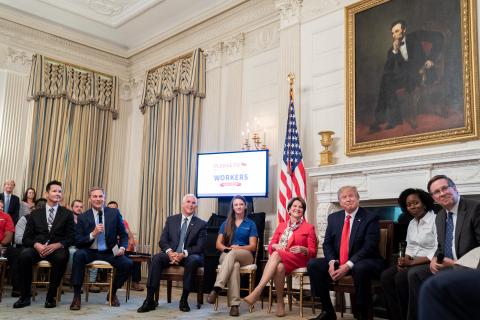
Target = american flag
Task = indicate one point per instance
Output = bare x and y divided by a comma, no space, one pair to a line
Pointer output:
292,174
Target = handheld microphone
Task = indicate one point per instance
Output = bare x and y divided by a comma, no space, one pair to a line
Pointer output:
100,216
440,257
402,247
336,265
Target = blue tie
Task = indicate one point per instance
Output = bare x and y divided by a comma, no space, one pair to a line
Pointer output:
7,202
183,233
101,245
449,236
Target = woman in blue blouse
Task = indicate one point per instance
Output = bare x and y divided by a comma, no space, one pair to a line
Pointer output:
237,240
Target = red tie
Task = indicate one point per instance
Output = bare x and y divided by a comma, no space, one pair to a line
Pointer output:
345,238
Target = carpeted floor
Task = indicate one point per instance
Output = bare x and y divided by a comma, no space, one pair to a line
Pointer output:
96,308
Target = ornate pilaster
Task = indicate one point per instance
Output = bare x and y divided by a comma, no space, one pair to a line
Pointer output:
289,12
131,88
15,60
233,48
214,56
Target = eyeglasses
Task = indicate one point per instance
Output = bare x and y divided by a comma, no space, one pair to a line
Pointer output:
440,190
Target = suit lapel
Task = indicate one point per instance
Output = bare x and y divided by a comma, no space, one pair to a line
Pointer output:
462,212
190,227
58,217
356,224
43,218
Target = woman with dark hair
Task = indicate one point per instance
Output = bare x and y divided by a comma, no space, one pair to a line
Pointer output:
293,244
421,244
28,202
237,240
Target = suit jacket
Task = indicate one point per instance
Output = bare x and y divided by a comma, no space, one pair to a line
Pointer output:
195,239
63,228
13,207
467,227
364,237
115,233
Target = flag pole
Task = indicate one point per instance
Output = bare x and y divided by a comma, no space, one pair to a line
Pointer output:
291,80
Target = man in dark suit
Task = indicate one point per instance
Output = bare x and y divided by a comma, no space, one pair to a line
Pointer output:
100,235
408,66
458,232
182,243
48,234
11,203
351,248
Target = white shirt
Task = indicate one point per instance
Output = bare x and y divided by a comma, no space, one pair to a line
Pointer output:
47,211
422,237
352,218
403,49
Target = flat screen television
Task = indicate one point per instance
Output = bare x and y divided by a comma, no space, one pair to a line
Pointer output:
226,174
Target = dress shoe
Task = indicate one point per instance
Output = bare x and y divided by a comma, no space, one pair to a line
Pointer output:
94,289
234,312
147,305
184,306
76,303
325,316
50,302
212,297
137,286
115,302
22,302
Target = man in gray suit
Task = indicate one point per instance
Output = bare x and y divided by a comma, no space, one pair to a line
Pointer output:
458,232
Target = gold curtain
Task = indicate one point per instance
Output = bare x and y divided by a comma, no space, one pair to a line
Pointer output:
171,105
73,113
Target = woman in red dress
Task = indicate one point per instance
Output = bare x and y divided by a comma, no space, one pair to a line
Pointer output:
293,244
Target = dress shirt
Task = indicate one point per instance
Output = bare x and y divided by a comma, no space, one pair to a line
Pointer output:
47,211
422,237
352,219
454,217
95,217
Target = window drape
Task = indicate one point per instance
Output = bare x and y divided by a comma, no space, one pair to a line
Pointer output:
171,105
71,130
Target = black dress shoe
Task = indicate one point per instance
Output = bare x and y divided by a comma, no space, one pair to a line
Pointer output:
21,303
50,303
147,305
325,316
184,306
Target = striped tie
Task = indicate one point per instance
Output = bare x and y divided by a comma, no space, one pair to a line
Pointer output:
51,217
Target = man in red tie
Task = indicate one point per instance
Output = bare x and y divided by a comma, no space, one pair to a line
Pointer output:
350,248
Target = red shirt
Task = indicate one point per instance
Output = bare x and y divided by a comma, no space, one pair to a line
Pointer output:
6,224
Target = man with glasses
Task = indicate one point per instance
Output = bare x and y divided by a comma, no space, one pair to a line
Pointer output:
458,232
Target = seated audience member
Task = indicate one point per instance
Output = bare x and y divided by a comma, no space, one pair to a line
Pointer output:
28,202
182,243
48,234
237,240
421,246
351,243
137,266
100,235
11,203
293,244
458,232
452,294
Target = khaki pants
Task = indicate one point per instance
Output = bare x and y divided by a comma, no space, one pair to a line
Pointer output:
229,273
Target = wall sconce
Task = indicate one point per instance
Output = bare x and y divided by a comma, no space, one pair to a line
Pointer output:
254,135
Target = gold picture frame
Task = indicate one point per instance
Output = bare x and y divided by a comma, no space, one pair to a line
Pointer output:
394,103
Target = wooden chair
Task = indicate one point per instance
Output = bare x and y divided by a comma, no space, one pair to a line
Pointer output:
175,273
99,264
3,267
251,271
43,264
345,285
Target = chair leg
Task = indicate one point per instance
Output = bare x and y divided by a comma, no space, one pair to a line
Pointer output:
199,293
289,292
250,288
169,291
215,306
86,283
270,289
110,289
301,296
34,285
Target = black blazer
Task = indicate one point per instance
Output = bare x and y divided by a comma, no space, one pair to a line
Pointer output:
13,207
195,239
364,237
115,232
467,228
63,228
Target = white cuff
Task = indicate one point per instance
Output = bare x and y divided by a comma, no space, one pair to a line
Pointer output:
185,252
349,264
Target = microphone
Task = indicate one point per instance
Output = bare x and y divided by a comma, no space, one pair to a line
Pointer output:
100,216
440,257
402,247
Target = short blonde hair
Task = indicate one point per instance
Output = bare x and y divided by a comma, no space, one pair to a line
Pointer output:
345,188
9,182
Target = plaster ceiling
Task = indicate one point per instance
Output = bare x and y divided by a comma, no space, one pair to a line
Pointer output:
122,27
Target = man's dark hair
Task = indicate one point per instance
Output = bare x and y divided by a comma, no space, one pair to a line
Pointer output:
53,183
424,196
76,200
112,202
438,177
399,21
40,203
